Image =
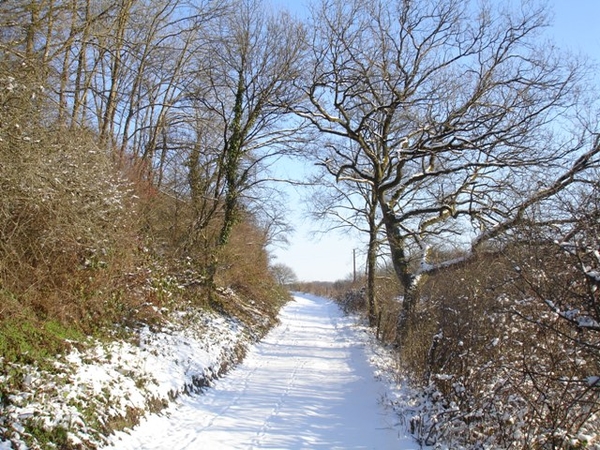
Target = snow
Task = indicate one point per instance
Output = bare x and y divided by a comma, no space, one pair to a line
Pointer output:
115,378
594,274
593,381
310,383
587,322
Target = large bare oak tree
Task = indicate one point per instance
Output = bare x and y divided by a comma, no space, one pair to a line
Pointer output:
446,110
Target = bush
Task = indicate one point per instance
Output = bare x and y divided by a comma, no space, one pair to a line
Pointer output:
504,364
244,268
68,232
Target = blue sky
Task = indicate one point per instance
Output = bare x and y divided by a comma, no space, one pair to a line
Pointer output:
576,25
329,257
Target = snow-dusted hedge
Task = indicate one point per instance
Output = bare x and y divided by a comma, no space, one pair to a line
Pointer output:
510,344
67,218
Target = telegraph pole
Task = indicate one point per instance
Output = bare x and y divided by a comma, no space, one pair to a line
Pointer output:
354,265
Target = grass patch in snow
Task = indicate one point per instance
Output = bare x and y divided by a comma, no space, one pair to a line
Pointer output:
57,437
27,340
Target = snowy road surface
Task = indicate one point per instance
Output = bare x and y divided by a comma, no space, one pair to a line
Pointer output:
307,385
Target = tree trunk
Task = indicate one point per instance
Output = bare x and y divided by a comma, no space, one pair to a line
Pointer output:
31,30
81,84
116,67
406,316
371,284
372,260
233,154
410,282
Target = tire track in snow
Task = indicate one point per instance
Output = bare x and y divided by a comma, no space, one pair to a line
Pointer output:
231,402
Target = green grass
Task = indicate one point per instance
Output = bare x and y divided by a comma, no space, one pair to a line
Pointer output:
28,340
54,438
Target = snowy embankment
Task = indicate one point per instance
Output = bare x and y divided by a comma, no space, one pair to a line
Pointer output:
317,380
312,382
110,385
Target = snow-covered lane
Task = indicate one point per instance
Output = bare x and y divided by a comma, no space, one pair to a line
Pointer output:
308,384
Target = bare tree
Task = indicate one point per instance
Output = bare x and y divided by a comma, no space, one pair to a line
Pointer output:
450,108
284,274
243,95
351,204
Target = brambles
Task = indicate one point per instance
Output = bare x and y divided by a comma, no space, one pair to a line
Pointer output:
514,353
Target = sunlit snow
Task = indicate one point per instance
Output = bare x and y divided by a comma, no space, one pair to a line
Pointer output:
308,384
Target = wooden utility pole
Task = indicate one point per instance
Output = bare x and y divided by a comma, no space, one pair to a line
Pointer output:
354,265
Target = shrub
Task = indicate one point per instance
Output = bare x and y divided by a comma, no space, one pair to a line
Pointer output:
505,364
67,217
244,268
